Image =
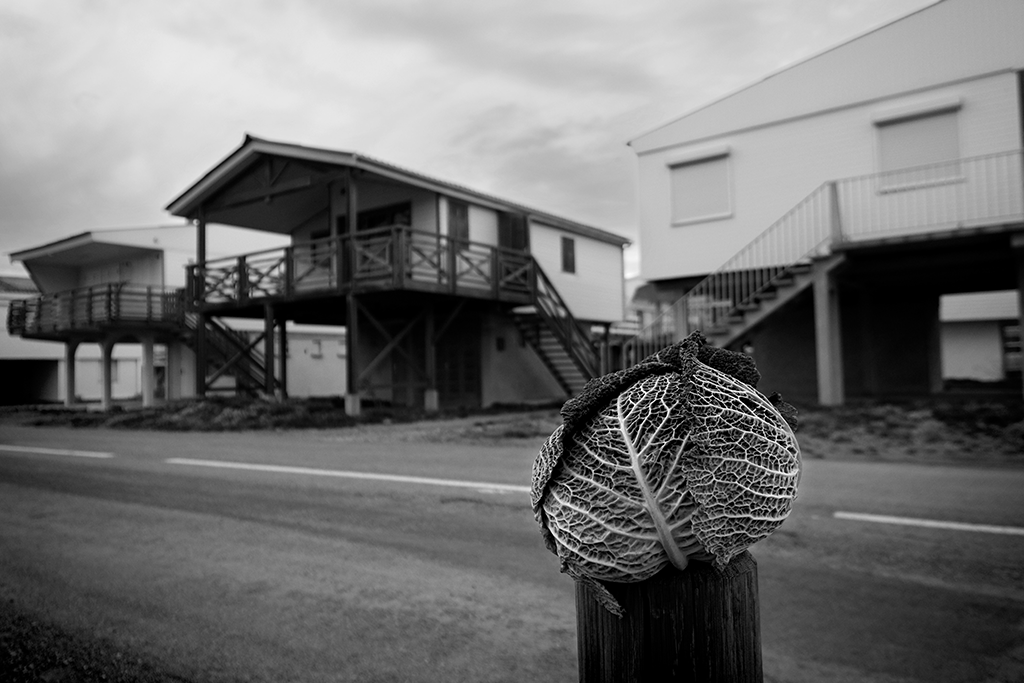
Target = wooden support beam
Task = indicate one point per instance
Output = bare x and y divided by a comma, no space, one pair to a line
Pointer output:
352,399
268,349
282,349
392,344
431,396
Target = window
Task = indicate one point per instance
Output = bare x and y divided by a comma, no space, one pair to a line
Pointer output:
1013,358
919,149
316,349
458,220
568,255
700,189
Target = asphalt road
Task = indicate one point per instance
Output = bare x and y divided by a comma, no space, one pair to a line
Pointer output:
227,574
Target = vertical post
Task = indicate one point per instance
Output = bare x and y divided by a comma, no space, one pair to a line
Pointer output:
1017,245
172,373
431,397
69,372
106,398
352,400
282,350
201,354
268,349
835,217
827,340
700,624
200,301
148,373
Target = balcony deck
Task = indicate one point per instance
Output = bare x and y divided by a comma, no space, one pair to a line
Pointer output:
390,258
93,312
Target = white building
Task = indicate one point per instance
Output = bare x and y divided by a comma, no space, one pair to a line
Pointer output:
834,202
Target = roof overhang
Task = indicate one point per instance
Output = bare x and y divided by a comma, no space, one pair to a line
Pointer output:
252,149
80,250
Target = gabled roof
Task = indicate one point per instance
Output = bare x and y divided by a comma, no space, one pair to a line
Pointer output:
945,42
187,203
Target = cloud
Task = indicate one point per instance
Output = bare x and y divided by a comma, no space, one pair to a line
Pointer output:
110,108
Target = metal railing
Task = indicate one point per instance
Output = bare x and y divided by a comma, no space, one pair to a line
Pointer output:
93,308
959,194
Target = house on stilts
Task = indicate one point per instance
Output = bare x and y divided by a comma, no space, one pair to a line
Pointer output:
449,297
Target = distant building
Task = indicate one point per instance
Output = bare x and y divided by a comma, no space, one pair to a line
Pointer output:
816,217
386,286
449,297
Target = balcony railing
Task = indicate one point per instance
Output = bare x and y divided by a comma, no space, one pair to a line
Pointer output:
396,257
92,309
961,194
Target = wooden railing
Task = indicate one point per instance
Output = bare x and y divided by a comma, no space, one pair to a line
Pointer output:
959,194
391,257
554,311
92,308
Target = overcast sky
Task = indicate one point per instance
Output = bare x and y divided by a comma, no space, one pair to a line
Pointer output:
110,108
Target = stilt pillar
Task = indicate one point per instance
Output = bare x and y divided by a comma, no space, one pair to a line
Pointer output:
1017,244
431,396
69,373
148,373
268,349
107,363
353,403
827,340
282,352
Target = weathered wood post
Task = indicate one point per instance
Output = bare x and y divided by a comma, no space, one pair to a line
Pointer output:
699,625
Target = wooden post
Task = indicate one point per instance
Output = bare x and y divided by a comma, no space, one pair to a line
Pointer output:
699,625
268,350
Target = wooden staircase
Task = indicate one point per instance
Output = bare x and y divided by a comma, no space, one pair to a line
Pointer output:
229,353
551,351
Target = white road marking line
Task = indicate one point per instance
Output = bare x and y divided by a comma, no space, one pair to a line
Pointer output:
287,469
931,523
54,451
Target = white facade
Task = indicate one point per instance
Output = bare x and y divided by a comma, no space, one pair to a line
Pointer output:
768,146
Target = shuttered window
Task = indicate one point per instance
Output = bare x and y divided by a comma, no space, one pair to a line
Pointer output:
919,150
568,255
701,190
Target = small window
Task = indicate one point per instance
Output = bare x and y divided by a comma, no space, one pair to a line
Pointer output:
700,190
458,220
568,255
919,150
316,349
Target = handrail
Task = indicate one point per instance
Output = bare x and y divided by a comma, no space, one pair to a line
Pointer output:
87,308
553,309
961,193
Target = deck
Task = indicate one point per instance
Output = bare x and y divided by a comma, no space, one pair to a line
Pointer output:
390,258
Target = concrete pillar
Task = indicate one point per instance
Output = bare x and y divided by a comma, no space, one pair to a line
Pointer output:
173,371
148,373
69,372
827,338
106,398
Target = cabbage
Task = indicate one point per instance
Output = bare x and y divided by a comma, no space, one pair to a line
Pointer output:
677,458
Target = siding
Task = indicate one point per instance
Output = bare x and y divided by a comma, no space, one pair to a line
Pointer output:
775,167
949,41
595,291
